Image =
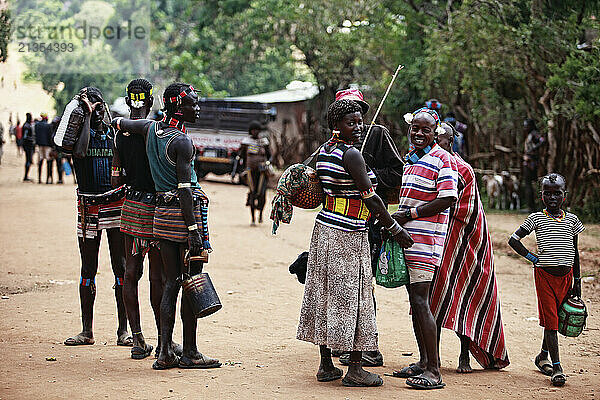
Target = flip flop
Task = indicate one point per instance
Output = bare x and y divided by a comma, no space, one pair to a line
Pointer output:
371,381
330,375
544,365
367,360
79,340
424,383
408,372
159,365
207,362
558,379
125,339
139,353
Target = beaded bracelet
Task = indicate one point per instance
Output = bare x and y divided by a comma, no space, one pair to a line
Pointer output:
370,192
532,257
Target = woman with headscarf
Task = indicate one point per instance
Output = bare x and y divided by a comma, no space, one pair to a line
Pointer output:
338,311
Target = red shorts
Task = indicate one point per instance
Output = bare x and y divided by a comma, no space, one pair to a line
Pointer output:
551,291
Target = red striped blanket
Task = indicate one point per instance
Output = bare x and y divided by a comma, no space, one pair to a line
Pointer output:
464,292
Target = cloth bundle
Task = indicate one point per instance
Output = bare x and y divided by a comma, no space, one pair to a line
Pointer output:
298,186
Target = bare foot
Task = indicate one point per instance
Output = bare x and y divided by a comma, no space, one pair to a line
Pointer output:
464,365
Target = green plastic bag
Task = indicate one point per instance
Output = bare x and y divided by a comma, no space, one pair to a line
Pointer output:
391,269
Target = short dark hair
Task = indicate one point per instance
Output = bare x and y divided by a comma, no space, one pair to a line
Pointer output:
254,125
530,123
139,85
173,90
554,178
339,108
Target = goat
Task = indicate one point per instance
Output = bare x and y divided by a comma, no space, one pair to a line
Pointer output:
493,187
511,191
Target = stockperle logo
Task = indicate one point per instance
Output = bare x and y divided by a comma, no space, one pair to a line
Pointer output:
79,36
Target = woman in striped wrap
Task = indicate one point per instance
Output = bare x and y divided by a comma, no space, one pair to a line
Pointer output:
464,292
338,311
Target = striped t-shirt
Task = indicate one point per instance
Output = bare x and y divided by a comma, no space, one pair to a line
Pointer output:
554,237
337,182
433,176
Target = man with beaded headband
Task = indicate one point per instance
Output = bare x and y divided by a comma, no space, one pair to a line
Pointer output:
99,208
429,188
131,167
180,218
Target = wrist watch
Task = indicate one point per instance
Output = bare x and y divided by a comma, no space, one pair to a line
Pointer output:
408,214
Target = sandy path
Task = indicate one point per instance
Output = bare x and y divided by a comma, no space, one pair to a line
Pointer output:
254,332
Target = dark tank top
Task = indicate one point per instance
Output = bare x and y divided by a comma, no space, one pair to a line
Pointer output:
93,171
134,161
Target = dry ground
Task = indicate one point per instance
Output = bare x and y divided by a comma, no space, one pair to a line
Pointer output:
254,333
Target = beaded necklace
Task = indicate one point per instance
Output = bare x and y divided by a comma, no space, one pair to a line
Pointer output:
562,215
336,139
174,123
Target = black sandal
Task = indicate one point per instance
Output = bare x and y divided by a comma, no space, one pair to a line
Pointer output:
425,383
372,380
558,379
330,375
408,372
139,353
159,365
207,362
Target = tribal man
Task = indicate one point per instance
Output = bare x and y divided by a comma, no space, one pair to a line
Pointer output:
98,208
131,167
180,218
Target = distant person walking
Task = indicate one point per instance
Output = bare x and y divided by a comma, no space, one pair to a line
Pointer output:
64,163
1,142
43,139
19,137
28,145
256,156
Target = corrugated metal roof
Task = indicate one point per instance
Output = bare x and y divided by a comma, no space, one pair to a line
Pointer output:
294,91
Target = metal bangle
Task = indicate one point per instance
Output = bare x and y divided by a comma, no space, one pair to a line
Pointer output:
394,229
193,227
414,213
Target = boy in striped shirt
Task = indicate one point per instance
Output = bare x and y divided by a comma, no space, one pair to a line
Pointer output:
555,265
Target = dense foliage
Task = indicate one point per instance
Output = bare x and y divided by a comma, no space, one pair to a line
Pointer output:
493,63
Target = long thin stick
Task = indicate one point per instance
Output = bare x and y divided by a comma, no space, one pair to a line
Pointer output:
400,66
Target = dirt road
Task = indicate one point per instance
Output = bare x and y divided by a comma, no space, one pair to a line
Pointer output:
254,333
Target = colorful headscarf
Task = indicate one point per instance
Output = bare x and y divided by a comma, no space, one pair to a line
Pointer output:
408,117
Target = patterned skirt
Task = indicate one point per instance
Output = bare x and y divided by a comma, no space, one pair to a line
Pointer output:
137,215
338,309
168,218
96,212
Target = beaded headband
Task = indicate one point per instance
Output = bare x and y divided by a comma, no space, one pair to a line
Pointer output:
177,99
408,117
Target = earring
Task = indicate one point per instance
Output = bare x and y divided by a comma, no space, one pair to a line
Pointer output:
336,133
